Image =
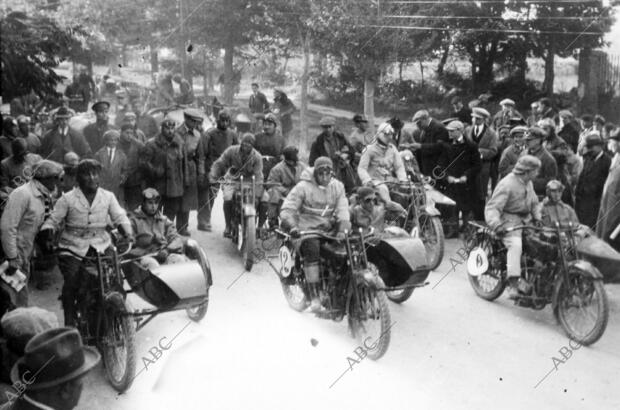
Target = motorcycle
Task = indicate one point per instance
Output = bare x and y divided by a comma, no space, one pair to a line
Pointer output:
422,220
552,268
349,285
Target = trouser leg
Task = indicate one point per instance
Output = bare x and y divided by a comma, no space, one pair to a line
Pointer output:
171,207
228,214
70,268
182,221
206,197
514,246
263,209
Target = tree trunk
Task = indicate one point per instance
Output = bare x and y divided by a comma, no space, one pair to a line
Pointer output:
369,102
549,70
125,56
205,75
229,92
304,138
421,72
401,63
154,58
443,60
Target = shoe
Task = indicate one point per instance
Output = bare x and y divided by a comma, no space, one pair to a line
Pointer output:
184,232
204,227
520,285
227,233
316,306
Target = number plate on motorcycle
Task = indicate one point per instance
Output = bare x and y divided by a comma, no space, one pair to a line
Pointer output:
286,260
477,262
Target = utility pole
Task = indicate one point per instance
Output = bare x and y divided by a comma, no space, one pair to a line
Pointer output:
183,41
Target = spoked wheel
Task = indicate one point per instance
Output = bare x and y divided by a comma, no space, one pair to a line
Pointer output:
399,296
490,284
369,319
294,293
431,233
249,242
582,308
118,343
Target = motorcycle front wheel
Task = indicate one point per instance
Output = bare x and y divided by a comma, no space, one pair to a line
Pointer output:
249,242
582,307
431,234
369,319
118,342
294,293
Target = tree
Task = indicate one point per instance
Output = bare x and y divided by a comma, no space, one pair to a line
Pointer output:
31,48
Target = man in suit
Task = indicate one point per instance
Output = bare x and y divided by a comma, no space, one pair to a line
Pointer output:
609,212
93,133
258,101
488,145
428,149
114,165
61,140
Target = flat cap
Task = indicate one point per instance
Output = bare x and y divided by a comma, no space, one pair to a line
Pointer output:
359,118
526,163
327,121
46,169
111,134
519,129
129,114
592,139
150,193
323,162
194,114
566,113
480,112
535,132
455,126
100,105
22,324
555,185
546,122
507,101
420,115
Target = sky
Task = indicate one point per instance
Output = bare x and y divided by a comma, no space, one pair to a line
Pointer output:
614,35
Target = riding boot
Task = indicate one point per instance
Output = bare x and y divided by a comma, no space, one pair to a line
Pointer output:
272,212
263,207
312,271
69,311
228,207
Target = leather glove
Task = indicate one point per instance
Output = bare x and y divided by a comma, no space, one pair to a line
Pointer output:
294,232
162,255
13,267
127,234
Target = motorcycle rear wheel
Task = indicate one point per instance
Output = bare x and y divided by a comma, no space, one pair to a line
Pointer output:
431,233
118,343
371,305
491,284
582,289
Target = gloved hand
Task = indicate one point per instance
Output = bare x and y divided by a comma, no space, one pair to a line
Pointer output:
294,232
127,233
538,223
340,235
500,230
162,255
13,267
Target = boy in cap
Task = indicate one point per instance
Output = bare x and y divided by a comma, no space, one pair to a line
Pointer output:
554,210
93,133
367,213
514,202
549,169
511,154
589,190
25,212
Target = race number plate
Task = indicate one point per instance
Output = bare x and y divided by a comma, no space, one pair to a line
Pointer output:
286,261
477,262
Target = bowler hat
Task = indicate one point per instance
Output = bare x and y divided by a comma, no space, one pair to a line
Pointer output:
54,357
480,112
100,105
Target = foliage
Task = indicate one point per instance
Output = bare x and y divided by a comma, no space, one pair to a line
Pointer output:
31,47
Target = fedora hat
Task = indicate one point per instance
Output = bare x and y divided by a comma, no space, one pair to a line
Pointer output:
54,357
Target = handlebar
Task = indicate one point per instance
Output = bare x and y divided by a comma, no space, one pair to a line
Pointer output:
542,228
245,182
77,255
321,234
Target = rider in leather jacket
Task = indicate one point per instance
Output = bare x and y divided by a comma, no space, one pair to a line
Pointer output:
319,202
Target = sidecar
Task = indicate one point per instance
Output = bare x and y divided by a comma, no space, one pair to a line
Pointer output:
605,258
174,286
401,260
